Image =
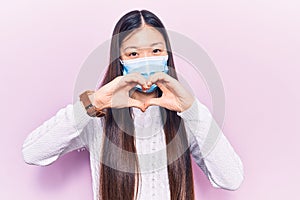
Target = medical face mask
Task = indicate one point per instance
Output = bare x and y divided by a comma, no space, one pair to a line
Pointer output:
145,66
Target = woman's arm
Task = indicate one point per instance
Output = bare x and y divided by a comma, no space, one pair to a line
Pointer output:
211,150
66,131
71,127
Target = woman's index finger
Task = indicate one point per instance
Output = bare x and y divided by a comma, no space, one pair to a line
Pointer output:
134,78
159,76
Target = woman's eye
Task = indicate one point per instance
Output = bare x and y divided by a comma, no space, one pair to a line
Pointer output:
156,50
133,54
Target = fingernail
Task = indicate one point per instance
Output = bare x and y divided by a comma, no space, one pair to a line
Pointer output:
145,86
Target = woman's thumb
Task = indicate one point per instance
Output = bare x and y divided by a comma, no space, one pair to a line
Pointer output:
137,104
153,101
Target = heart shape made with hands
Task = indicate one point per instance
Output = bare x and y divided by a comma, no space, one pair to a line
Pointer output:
166,100
142,100
173,96
116,93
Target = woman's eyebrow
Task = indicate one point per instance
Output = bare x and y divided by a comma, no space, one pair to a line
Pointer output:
135,47
156,43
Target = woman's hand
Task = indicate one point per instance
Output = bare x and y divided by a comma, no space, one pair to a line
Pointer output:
174,97
115,94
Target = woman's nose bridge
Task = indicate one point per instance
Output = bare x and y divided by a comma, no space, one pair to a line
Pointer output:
146,52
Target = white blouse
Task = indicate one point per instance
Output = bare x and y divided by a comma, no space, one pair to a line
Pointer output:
72,129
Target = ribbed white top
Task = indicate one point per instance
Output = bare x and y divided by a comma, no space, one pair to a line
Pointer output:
72,129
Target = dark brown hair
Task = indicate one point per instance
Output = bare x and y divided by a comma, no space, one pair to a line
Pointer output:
119,185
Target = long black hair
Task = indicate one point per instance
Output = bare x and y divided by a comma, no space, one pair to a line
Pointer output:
116,184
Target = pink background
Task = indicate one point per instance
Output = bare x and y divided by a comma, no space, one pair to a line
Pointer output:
255,46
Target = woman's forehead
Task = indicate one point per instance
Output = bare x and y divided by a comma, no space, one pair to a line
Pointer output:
144,37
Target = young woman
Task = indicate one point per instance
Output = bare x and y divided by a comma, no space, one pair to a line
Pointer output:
141,147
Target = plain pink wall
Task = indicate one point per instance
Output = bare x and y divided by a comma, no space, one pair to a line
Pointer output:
255,46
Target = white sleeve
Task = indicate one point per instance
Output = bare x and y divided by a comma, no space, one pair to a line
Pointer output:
210,148
66,131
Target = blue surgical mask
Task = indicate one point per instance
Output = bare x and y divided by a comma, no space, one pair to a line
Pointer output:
146,66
